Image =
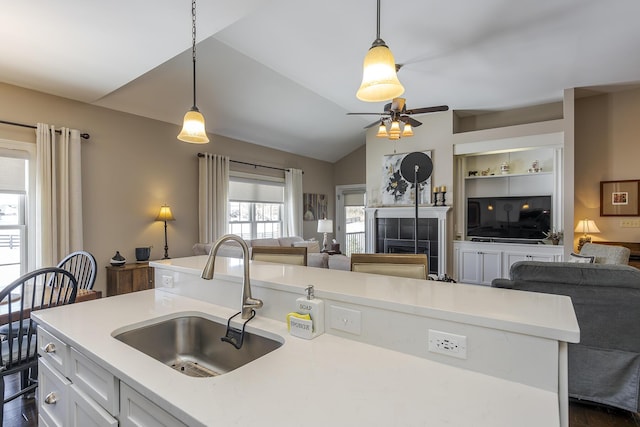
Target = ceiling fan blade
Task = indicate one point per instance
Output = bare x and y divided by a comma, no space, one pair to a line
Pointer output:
387,107
428,109
376,123
413,122
364,114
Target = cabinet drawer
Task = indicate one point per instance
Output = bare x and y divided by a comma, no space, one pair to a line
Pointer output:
53,392
138,411
85,412
54,351
98,383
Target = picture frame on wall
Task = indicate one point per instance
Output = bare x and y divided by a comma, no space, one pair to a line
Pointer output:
314,206
395,189
620,198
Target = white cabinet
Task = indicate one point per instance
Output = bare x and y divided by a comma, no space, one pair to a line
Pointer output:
69,385
138,411
481,262
73,390
53,396
479,266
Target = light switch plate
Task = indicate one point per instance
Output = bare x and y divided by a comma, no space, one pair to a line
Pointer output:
345,319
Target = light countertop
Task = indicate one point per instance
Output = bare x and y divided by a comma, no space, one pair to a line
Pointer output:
537,314
328,381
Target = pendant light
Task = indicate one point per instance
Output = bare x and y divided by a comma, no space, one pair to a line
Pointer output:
193,129
379,77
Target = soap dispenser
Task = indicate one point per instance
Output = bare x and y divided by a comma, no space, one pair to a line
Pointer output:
314,308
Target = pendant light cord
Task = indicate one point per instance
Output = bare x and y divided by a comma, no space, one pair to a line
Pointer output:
193,49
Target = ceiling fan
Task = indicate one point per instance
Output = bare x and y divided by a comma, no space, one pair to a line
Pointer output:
396,110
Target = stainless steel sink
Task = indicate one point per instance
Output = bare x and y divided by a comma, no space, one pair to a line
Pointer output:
191,345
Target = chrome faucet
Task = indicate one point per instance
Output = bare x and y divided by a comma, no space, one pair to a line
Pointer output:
248,303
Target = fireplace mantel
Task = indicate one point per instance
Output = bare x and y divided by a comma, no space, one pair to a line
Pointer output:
439,212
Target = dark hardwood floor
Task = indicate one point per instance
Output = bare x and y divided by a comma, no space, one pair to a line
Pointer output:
580,414
20,412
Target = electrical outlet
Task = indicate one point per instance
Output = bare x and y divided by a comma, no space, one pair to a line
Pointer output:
630,223
345,319
450,344
167,281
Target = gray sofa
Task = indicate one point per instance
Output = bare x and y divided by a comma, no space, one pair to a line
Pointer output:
605,366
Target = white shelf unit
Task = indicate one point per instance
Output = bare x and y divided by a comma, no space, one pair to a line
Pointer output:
481,262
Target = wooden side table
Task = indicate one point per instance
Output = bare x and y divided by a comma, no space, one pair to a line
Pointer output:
129,278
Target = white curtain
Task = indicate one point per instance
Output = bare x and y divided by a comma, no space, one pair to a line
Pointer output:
213,196
58,194
293,202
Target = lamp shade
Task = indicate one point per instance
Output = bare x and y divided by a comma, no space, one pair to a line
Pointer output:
325,226
587,226
407,130
382,131
165,214
379,78
193,129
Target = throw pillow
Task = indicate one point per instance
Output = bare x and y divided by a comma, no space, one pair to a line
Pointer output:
584,259
312,246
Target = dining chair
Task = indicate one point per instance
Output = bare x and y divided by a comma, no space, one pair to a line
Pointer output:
281,254
83,266
39,289
414,266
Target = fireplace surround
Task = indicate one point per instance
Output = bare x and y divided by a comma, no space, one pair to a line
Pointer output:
391,230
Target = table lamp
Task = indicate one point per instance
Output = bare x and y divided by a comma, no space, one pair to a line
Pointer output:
165,215
325,226
585,226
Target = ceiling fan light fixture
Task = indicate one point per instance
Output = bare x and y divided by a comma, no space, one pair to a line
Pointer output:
379,76
394,130
382,131
193,129
407,130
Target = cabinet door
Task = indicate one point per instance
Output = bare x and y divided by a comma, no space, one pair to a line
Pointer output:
85,412
491,266
95,381
138,411
53,392
479,267
469,266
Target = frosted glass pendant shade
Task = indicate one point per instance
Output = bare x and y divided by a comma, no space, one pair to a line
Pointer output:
394,130
379,78
408,130
382,131
193,130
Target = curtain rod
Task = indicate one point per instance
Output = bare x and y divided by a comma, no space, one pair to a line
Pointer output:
252,164
82,135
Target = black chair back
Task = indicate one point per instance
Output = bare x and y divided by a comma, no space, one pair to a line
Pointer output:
83,266
40,289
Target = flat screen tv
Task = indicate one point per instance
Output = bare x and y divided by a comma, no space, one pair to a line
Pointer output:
508,218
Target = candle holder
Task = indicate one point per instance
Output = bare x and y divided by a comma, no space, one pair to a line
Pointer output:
437,199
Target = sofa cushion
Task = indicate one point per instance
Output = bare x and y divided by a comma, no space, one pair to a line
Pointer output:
289,241
569,273
265,242
312,246
581,258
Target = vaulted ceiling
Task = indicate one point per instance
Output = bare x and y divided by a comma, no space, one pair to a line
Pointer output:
283,73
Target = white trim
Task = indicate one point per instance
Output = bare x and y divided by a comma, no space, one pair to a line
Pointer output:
341,221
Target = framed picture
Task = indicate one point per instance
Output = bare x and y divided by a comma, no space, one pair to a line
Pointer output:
314,206
395,189
619,198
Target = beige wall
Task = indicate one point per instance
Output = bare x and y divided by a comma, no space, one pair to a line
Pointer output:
133,165
351,169
606,149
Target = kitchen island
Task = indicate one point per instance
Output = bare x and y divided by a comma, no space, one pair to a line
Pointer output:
378,374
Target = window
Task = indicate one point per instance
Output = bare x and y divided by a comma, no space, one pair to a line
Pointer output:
255,207
14,211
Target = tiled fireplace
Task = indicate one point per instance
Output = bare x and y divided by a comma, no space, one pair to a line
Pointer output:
392,230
